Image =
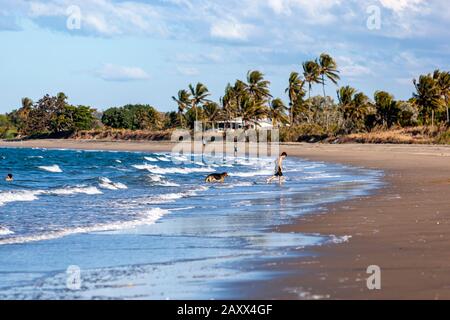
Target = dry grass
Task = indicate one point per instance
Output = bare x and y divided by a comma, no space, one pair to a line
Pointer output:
415,135
125,135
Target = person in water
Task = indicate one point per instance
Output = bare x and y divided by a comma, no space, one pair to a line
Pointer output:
278,169
9,177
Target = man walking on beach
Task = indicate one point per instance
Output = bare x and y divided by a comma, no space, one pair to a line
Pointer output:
278,169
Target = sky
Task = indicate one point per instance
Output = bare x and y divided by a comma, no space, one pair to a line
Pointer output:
106,53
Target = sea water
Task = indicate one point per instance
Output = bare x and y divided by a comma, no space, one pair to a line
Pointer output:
146,226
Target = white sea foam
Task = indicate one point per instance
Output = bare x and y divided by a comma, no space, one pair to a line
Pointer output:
147,218
106,183
18,196
118,161
72,190
151,159
314,166
234,185
171,197
155,177
164,159
165,198
321,176
163,171
182,209
5,231
54,168
254,162
32,195
35,157
167,184
339,240
252,173
180,158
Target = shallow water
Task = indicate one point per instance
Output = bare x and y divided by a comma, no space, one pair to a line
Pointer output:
142,225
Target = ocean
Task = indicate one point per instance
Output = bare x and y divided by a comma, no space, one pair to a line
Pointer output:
146,226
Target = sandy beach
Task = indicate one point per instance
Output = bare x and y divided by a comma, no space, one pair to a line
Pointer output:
404,228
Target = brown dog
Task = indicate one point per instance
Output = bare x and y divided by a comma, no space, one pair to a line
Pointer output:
212,178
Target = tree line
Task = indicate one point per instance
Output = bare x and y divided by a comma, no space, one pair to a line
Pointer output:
251,100
352,112
49,115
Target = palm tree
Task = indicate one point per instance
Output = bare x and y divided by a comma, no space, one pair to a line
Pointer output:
387,107
295,92
61,97
228,102
256,86
345,96
183,100
199,94
361,107
27,103
354,106
311,73
250,110
443,83
328,69
211,111
23,114
427,95
277,112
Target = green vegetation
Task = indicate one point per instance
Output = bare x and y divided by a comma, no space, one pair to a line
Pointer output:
50,116
7,129
133,117
304,118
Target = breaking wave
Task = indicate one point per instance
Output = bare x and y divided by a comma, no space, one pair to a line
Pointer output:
149,217
32,195
163,171
106,183
5,231
54,168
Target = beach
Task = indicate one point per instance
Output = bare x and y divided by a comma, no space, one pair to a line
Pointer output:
404,228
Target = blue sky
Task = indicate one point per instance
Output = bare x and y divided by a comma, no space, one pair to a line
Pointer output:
145,51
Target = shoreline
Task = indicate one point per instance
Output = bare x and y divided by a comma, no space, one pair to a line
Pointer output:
404,229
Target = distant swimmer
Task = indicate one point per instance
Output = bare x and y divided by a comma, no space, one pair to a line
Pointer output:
9,177
278,169
212,178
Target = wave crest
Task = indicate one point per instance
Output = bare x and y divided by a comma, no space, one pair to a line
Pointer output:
54,168
5,231
149,217
172,170
106,183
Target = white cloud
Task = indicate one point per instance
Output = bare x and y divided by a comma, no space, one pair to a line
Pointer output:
237,20
350,68
317,11
106,17
110,72
214,56
231,29
188,71
402,5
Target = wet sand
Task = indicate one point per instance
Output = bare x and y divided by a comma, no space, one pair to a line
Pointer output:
404,228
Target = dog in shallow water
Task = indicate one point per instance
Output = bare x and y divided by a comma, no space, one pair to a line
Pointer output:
212,178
